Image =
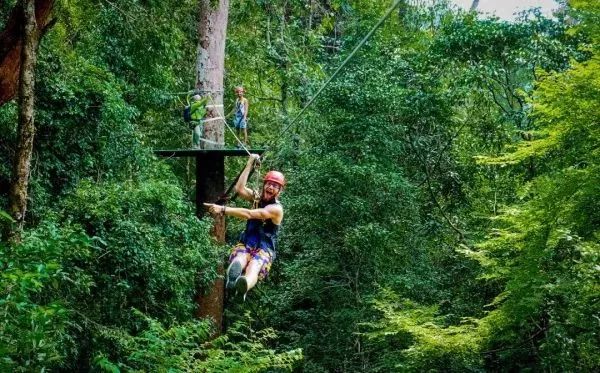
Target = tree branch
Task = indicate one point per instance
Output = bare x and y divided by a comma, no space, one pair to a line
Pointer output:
431,192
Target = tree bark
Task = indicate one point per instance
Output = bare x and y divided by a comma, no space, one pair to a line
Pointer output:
26,129
11,44
209,80
210,65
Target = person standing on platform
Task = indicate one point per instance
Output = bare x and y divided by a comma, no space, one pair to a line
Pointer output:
240,115
197,111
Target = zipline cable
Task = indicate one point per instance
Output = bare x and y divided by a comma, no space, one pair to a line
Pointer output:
358,46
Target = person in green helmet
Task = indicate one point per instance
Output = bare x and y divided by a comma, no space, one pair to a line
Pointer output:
197,113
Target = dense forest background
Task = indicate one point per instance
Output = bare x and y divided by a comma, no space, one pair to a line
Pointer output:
442,212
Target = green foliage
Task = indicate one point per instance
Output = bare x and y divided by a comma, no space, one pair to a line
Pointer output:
544,248
104,74
152,247
187,347
35,323
441,214
244,349
548,301
566,127
350,192
83,112
146,253
408,120
415,339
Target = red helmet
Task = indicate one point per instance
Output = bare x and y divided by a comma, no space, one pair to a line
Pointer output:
275,177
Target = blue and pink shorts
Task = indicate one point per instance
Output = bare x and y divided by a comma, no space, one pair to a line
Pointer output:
254,254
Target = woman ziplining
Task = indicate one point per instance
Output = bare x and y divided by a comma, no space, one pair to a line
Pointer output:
252,256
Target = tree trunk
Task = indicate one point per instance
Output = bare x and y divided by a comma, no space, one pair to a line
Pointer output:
11,43
209,80
26,130
210,66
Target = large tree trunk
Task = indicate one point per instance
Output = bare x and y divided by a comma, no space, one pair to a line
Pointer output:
26,130
11,43
210,65
209,80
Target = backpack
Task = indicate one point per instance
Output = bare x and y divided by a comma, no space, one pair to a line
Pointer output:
187,113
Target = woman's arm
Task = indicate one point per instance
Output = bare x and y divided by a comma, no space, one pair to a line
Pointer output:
240,187
273,212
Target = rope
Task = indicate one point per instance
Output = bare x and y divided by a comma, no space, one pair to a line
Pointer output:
257,185
197,91
222,117
224,197
358,46
211,119
210,141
